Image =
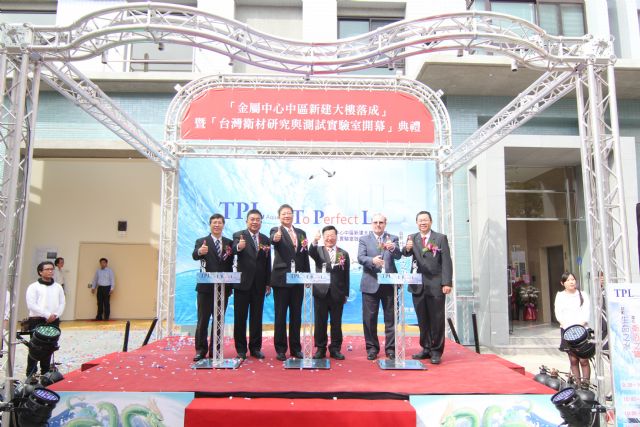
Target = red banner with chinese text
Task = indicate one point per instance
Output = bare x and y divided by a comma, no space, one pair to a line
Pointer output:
307,115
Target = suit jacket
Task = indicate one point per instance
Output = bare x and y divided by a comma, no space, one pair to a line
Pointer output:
435,265
367,250
255,265
284,252
213,263
339,271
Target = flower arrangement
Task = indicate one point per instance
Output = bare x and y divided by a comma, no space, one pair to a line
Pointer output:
529,296
304,244
226,252
431,247
265,248
341,259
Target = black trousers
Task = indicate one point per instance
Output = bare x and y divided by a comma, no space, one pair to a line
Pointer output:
32,364
430,311
325,308
370,307
287,299
205,312
104,302
248,304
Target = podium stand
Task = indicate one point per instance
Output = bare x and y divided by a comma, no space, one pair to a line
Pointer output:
216,338
306,337
398,280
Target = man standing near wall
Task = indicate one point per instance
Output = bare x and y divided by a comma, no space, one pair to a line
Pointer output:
430,251
104,280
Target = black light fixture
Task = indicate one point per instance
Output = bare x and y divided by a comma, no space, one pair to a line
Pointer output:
574,411
580,341
44,341
36,408
51,377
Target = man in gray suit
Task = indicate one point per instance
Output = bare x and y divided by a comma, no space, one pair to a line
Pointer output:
430,251
376,252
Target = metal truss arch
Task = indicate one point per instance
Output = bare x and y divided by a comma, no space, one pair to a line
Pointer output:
278,149
156,22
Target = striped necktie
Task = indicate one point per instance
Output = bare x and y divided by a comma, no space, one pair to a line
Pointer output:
216,245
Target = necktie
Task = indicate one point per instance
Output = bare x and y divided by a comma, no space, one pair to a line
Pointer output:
255,241
332,255
424,241
294,239
216,245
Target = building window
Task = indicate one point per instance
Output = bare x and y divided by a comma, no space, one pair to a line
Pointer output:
350,27
30,17
558,18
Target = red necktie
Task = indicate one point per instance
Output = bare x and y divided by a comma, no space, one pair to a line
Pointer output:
424,241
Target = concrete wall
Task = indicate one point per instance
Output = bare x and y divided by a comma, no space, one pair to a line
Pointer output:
75,201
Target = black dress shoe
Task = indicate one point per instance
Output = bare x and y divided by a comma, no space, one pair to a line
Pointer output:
257,354
391,355
320,354
297,354
424,354
198,357
242,355
336,355
436,359
281,357
371,355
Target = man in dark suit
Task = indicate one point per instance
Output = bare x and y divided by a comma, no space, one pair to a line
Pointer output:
254,262
329,299
377,251
215,254
291,247
430,251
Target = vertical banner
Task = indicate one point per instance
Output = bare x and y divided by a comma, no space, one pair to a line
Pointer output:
343,193
623,306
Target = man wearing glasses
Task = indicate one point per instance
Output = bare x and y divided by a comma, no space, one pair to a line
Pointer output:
45,301
376,253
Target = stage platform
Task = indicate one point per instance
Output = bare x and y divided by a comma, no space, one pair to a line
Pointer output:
354,391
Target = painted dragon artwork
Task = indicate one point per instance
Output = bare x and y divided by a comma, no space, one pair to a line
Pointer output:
79,413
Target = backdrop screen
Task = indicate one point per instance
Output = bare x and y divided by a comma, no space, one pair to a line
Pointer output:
344,193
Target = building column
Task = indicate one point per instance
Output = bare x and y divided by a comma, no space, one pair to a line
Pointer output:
319,20
206,61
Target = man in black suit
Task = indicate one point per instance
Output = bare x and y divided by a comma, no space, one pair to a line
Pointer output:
215,254
254,262
291,247
376,253
430,251
329,299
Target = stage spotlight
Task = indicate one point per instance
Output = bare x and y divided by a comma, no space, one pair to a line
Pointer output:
573,410
580,342
51,377
44,341
514,65
104,58
160,46
36,408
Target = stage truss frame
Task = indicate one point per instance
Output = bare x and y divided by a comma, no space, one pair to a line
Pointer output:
29,54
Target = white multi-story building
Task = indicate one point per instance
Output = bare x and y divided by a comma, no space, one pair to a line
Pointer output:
523,194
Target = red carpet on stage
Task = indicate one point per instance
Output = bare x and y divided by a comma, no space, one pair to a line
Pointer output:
165,366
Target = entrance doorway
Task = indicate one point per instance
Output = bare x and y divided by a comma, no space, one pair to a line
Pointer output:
542,236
